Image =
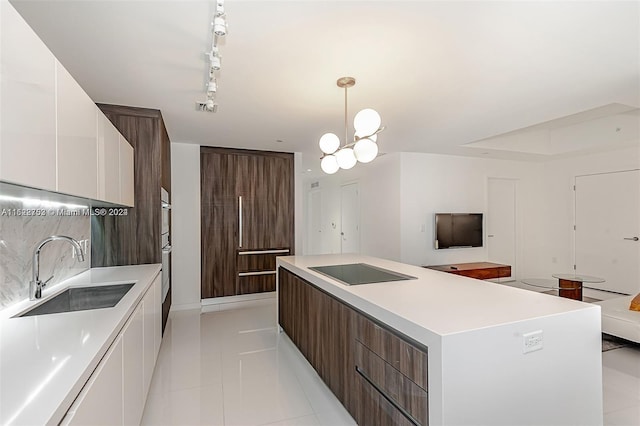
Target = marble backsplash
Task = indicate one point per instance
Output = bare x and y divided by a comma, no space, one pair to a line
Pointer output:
19,236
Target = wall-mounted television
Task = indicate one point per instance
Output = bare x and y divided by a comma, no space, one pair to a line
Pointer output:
458,230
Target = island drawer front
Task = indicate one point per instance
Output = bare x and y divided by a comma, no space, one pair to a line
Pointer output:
256,284
259,260
401,398
402,355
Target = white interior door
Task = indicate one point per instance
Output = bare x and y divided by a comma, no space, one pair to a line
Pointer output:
501,222
314,222
350,219
608,229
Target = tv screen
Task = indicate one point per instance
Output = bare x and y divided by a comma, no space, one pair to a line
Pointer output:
456,230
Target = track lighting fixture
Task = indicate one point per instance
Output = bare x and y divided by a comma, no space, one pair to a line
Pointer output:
215,59
219,29
212,87
220,26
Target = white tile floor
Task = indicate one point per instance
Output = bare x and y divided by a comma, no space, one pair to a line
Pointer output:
233,368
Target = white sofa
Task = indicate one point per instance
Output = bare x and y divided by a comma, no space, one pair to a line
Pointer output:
618,320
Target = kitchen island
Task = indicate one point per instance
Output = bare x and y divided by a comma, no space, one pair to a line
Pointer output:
442,349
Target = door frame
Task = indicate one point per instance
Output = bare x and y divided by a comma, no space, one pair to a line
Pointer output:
342,185
308,224
575,214
517,223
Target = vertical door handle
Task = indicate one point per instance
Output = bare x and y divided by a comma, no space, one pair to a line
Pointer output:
240,221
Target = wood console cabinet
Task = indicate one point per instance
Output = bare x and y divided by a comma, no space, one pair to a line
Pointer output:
478,270
247,204
376,373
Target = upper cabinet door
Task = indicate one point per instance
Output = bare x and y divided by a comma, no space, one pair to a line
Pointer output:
126,173
108,160
27,104
278,203
77,138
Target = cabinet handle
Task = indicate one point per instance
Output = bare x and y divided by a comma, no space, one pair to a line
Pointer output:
244,253
391,401
240,221
250,274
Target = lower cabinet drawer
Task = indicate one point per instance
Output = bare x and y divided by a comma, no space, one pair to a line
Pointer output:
386,396
402,355
256,283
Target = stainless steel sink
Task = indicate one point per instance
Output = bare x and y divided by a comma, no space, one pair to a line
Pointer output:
82,299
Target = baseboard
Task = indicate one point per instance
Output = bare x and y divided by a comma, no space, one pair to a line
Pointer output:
186,307
237,302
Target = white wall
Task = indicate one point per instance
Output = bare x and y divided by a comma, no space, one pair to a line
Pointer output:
432,183
379,189
400,193
558,178
185,226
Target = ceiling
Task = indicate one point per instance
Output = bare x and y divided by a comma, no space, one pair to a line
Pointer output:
441,74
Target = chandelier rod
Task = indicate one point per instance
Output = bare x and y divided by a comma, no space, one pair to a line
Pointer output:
345,116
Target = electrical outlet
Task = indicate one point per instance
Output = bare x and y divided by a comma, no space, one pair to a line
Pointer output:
532,341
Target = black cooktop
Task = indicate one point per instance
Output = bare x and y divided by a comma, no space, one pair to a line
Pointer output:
360,273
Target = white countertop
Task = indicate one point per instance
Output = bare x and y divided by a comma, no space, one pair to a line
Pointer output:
45,360
437,302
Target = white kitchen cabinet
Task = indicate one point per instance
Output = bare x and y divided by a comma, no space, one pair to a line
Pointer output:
152,322
126,173
116,392
133,367
100,401
27,104
108,160
77,117
52,135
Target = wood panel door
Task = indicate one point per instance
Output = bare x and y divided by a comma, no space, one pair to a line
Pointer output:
265,183
279,202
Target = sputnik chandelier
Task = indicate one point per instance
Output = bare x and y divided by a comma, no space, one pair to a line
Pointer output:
363,146
219,29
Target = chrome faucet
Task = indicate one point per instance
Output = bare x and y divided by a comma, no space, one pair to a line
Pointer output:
36,286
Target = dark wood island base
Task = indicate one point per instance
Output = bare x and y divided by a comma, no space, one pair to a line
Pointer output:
378,374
